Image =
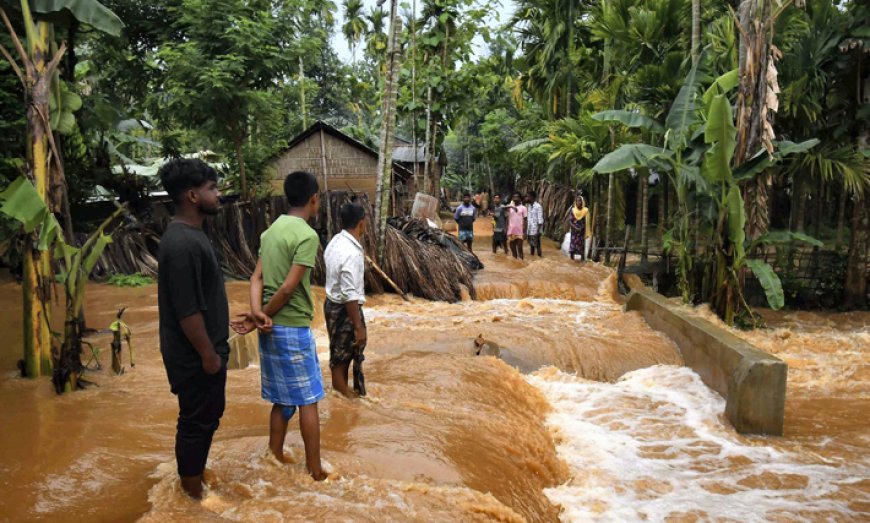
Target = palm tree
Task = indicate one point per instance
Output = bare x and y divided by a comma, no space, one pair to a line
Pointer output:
376,35
388,125
550,38
355,24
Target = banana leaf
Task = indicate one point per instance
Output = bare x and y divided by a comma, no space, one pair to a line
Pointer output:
89,12
722,85
769,282
785,238
721,133
736,222
22,203
629,119
632,155
683,115
761,161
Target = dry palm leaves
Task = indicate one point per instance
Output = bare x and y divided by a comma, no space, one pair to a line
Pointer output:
424,262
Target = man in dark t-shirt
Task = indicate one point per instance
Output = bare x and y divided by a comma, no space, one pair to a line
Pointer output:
465,215
194,316
499,225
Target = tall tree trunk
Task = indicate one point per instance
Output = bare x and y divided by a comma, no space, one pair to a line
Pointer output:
820,202
855,288
663,196
608,226
696,30
302,103
388,124
429,152
326,186
414,91
841,216
638,204
801,210
753,113
237,144
643,220
491,184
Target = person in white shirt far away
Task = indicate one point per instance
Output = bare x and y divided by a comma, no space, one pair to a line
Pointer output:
536,224
345,295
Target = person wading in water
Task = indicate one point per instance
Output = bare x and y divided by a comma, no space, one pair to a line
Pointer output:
345,295
465,215
281,288
194,316
499,225
577,217
517,215
535,224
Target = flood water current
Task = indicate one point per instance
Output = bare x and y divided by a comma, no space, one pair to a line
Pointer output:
588,416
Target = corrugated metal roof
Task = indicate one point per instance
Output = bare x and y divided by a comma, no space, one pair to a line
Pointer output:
406,154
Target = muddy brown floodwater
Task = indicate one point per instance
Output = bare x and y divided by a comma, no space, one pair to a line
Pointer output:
588,416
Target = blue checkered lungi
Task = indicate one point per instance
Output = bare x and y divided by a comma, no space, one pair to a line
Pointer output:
289,367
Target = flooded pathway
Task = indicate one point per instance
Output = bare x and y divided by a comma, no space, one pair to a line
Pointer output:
588,416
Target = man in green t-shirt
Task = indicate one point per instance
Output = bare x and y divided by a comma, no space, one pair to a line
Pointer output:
281,288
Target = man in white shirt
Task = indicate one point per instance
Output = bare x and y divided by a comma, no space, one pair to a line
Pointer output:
536,224
345,295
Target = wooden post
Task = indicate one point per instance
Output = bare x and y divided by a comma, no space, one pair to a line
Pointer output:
387,278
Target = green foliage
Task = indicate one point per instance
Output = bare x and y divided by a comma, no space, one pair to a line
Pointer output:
632,155
721,134
130,280
629,119
90,12
769,282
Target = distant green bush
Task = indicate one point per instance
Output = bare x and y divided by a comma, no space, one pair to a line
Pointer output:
130,280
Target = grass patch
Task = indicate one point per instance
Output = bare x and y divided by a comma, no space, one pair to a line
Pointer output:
130,280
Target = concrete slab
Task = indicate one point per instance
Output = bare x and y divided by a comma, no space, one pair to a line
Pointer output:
244,351
752,381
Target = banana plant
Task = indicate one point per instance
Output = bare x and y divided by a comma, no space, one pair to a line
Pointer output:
38,59
695,148
22,202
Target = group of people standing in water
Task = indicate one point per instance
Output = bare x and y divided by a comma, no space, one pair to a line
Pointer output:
194,315
521,219
194,311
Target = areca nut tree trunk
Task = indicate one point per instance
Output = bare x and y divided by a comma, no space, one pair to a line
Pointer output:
696,30
383,189
855,288
643,219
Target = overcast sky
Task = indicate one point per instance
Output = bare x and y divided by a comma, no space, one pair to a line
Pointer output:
339,42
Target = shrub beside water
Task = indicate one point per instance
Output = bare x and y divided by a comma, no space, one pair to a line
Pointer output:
130,280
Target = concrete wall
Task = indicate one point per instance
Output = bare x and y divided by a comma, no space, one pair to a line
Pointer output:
752,381
244,351
347,166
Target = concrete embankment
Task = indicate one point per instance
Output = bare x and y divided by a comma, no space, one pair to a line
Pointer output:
752,381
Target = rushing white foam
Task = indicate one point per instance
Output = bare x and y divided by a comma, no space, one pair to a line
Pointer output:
653,446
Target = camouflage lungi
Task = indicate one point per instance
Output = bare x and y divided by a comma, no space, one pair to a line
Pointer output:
342,342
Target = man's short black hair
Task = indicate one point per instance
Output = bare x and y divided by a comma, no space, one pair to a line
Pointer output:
351,215
299,187
466,195
182,174
533,194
